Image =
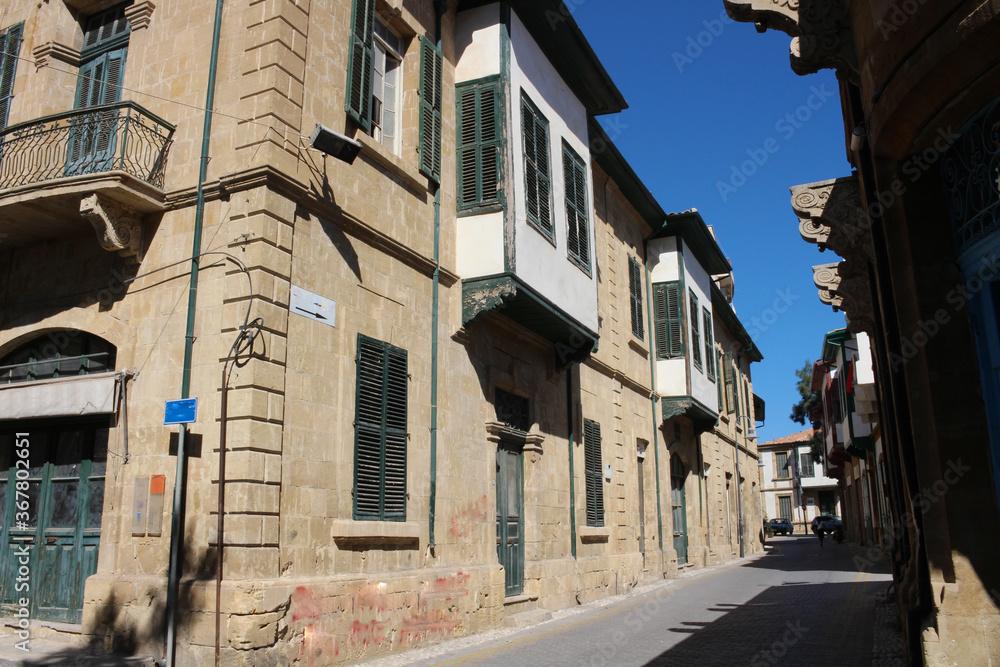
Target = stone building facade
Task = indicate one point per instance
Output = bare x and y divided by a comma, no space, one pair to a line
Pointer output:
916,226
409,282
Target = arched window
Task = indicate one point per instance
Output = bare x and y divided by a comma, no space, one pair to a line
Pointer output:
57,354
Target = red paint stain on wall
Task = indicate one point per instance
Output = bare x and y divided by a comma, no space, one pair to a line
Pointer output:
463,523
304,605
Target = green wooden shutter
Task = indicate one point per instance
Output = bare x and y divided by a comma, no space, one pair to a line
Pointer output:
394,483
635,296
380,432
695,332
668,319
10,46
709,344
536,167
727,368
594,475
575,178
359,63
478,143
431,73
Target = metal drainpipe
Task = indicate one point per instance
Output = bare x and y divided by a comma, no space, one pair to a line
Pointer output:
572,480
440,6
652,380
177,518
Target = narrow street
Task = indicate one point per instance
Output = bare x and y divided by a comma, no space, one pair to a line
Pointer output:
797,604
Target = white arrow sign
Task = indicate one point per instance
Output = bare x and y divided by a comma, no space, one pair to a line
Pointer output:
313,306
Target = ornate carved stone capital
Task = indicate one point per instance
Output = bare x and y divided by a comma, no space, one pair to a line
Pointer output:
831,216
119,228
138,15
45,54
845,287
820,30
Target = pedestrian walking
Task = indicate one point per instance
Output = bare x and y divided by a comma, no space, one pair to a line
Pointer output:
818,529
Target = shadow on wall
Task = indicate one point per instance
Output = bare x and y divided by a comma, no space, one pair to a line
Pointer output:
118,634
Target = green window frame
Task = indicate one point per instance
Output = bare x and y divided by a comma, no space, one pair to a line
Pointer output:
577,211
635,296
538,182
695,330
668,319
431,84
709,344
594,474
361,54
479,121
380,432
10,47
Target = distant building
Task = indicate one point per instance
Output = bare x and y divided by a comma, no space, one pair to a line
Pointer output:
796,486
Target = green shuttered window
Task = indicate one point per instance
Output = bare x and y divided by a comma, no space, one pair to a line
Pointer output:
635,296
10,46
709,344
431,74
595,477
478,115
359,63
695,331
538,196
577,234
380,432
668,318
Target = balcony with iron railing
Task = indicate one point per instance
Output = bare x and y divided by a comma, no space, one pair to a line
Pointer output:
103,164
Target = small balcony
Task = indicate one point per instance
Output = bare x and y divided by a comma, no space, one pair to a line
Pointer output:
104,164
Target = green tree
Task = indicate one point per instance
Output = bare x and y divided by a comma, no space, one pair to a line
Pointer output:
800,411
808,400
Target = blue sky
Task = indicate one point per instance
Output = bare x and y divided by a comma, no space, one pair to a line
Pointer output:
706,95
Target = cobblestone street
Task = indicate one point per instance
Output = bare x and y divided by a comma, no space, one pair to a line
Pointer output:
798,604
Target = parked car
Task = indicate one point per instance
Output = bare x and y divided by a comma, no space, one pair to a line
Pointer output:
780,527
828,524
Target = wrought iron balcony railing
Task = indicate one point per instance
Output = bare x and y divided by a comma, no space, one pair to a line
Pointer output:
110,137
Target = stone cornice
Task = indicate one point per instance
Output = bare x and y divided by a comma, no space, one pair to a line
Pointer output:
820,29
267,176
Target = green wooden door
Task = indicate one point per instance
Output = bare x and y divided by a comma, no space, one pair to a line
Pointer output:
678,503
63,482
510,524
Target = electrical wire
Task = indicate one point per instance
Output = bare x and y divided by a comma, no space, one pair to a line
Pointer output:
122,88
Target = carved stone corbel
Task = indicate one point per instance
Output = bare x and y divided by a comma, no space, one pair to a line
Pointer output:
846,288
49,52
831,216
827,279
118,227
820,29
139,14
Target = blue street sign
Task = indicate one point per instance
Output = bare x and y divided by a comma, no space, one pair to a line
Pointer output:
183,411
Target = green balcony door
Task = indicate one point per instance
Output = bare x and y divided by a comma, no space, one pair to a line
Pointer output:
93,137
510,511
48,557
678,503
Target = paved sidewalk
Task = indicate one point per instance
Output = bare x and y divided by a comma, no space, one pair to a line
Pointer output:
51,651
